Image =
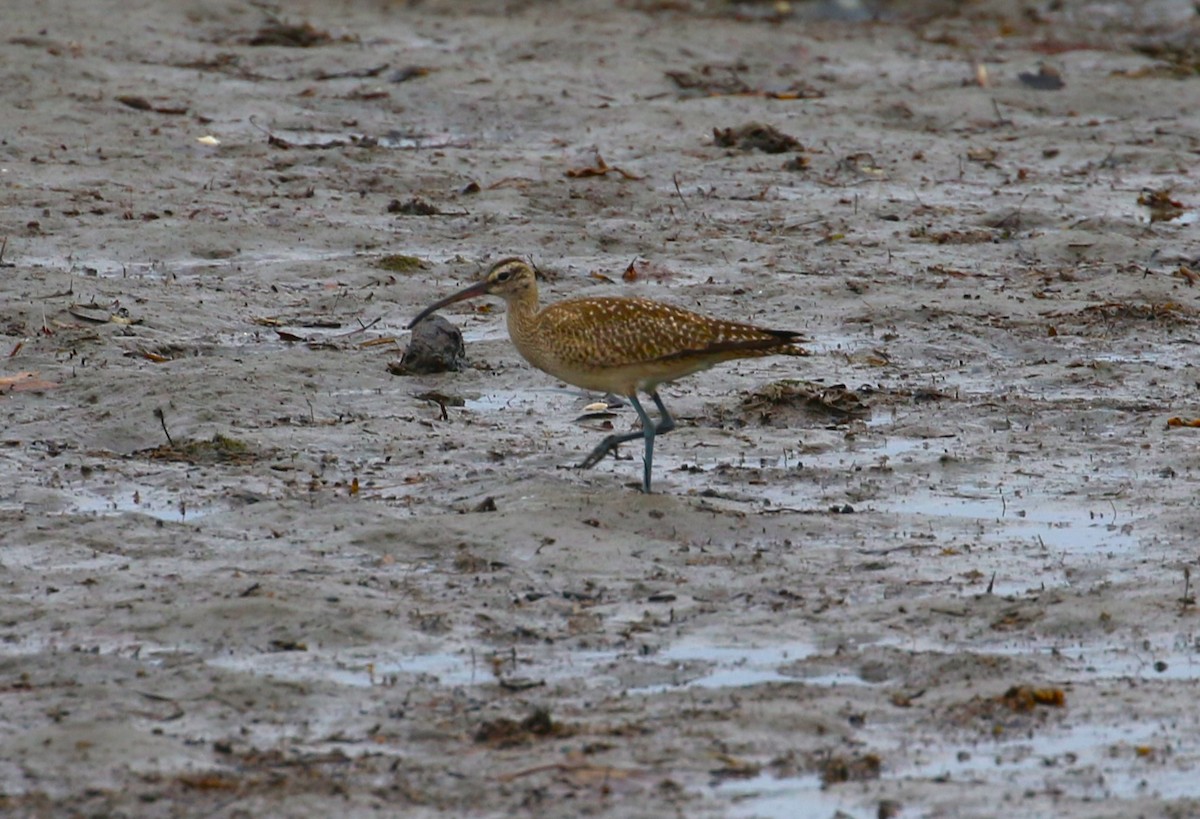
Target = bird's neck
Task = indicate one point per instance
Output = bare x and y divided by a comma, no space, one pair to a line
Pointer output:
523,309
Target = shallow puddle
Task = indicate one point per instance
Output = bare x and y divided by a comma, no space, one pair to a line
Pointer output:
1161,656
740,666
157,503
1089,761
186,268
799,797
1080,527
566,402
366,668
698,665
1086,761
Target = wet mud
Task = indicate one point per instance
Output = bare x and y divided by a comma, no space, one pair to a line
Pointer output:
940,567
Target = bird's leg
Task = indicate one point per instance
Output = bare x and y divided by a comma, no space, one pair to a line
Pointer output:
649,430
665,424
606,446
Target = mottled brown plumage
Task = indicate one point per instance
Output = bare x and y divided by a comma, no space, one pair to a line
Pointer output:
618,345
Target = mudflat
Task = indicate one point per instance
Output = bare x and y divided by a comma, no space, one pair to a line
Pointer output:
939,567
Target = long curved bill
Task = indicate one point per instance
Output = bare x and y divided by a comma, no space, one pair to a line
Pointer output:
477,289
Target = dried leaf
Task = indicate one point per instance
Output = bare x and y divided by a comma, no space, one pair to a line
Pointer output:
601,168
755,136
719,81
290,35
90,312
157,358
24,382
135,102
413,207
409,72
377,342
1162,207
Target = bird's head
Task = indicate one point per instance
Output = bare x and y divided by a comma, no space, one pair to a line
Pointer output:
507,278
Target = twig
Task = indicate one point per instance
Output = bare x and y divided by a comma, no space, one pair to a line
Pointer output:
361,327
675,179
162,419
1000,119
562,767
277,142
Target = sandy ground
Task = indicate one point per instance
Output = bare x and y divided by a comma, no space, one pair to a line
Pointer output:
959,587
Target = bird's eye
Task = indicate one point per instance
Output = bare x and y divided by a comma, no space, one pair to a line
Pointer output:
503,276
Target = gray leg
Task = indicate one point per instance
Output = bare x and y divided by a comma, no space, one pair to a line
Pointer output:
665,424
648,432
606,446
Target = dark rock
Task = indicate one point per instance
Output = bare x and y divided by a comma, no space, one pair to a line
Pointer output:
436,346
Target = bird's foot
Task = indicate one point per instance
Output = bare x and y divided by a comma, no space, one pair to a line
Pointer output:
603,448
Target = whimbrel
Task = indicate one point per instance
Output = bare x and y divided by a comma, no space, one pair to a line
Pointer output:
617,345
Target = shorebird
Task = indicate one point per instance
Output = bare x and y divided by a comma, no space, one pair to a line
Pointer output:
617,345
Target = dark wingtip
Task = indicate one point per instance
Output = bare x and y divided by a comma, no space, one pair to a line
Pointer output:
790,336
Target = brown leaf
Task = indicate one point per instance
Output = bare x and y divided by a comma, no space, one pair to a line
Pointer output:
24,382
135,102
755,136
290,35
1162,207
601,168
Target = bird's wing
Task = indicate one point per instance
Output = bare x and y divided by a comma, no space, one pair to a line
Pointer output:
615,332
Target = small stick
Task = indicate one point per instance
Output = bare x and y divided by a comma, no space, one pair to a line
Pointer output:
361,327
162,419
675,179
1000,118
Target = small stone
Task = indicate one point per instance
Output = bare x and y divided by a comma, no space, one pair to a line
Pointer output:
436,346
